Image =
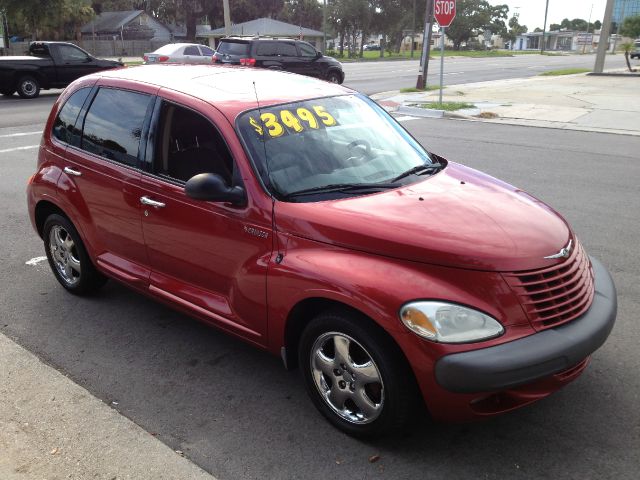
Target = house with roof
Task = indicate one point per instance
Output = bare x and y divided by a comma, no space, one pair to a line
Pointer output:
126,25
267,27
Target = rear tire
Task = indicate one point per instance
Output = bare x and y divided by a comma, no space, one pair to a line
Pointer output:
28,87
356,375
68,257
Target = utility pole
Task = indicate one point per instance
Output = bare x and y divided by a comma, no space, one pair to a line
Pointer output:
413,28
426,47
603,44
544,29
227,18
324,26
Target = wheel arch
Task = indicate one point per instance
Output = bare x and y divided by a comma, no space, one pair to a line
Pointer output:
43,210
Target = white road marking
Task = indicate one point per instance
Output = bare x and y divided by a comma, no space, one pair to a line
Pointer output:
29,147
35,261
405,119
20,134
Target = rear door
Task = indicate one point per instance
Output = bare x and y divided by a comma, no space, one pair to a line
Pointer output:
288,56
101,176
210,258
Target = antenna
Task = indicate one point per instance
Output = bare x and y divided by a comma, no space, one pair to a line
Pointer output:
264,131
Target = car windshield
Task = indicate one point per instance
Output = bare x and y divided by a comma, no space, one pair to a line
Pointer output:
331,147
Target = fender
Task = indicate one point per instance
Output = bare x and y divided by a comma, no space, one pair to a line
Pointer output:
377,286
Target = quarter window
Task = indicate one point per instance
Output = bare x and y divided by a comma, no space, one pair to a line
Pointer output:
189,144
64,127
113,125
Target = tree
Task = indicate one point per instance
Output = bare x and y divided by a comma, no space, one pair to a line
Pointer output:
627,47
554,27
631,27
476,15
597,25
307,13
515,29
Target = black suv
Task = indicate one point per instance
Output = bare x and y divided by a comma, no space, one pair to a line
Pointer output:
279,54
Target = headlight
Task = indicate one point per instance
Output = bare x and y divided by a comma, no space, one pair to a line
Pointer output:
449,323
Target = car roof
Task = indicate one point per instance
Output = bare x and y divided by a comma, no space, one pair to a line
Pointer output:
229,88
253,39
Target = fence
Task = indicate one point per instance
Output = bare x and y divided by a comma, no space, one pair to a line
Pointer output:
100,48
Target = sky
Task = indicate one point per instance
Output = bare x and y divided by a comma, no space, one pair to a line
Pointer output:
532,11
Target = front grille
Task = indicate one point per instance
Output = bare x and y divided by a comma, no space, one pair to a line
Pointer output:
555,295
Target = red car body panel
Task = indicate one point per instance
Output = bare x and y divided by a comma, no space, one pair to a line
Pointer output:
245,269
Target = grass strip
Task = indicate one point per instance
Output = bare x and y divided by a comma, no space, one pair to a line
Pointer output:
566,71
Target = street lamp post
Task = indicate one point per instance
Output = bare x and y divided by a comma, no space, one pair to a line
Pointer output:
603,43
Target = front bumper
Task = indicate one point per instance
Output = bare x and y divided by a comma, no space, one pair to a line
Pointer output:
537,356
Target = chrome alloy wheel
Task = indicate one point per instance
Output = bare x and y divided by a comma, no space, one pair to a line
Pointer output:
65,255
347,378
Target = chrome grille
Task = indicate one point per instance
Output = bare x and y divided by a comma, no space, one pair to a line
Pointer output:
555,295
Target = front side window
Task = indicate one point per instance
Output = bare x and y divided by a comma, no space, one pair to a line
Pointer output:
64,126
113,124
206,51
72,54
307,50
330,142
188,145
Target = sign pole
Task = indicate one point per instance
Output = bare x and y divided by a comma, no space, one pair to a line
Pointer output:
426,47
442,63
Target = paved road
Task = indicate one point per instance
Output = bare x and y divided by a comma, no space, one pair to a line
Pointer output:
378,77
234,411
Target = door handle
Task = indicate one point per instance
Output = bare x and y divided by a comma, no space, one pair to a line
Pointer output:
152,203
71,171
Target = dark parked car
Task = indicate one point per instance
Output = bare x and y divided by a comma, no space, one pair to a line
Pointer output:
279,54
310,224
48,65
371,47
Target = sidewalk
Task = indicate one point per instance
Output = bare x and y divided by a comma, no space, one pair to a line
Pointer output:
51,428
609,104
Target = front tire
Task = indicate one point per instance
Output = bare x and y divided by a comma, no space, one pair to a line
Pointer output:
28,87
356,375
334,77
68,257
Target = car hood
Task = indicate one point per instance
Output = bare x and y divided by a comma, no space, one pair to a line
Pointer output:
459,217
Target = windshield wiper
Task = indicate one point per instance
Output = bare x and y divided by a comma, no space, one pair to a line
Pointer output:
418,170
342,187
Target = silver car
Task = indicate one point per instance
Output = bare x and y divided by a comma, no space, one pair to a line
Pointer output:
180,53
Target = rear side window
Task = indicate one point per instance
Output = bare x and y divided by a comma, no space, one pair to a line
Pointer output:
64,126
267,49
113,124
233,48
192,51
287,49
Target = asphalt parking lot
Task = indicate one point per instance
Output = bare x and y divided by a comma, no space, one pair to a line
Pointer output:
238,414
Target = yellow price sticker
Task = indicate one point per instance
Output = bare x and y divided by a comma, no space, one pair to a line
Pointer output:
287,121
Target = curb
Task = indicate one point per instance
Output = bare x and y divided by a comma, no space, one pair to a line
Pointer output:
420,112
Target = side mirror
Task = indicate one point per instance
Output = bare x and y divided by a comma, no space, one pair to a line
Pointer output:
318,54
211,187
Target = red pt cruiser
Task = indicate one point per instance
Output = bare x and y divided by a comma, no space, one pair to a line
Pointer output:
300,217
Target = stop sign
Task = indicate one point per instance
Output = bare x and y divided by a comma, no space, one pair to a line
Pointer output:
444,11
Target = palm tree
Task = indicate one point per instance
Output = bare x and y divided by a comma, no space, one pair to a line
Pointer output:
627,47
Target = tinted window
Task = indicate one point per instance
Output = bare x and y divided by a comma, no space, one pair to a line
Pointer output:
307,50
267,49
287,50
233,48
192,51
72,54
188,145
64,126
206,51
113,124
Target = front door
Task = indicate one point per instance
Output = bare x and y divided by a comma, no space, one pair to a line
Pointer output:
210,258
